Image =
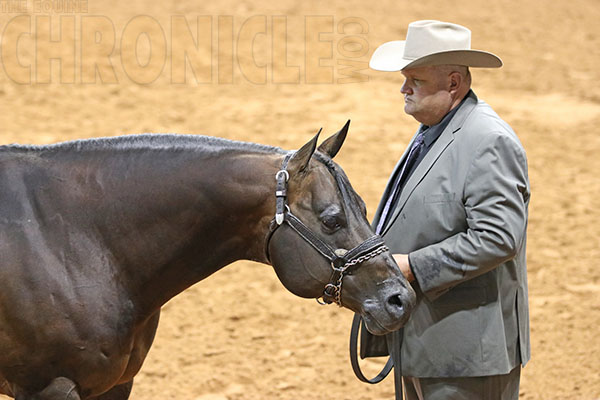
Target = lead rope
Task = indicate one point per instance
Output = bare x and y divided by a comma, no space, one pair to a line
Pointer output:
356,325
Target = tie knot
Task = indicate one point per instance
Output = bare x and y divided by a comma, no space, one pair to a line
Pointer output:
419,139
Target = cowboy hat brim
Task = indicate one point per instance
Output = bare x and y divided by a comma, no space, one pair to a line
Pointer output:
389,57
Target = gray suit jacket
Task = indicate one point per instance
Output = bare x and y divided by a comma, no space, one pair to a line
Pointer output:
462,218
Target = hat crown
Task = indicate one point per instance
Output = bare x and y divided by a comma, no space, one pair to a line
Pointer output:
430,43
430,36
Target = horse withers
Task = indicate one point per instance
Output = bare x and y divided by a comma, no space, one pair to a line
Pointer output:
96,235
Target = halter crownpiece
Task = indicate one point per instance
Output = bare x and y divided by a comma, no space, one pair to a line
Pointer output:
341,260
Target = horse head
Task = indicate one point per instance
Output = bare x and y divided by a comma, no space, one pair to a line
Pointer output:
322,246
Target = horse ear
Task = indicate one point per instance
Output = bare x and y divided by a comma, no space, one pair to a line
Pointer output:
332,145
301,158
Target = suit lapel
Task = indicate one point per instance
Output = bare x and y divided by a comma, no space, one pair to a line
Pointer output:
441,144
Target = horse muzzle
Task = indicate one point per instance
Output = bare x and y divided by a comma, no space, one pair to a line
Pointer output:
391,311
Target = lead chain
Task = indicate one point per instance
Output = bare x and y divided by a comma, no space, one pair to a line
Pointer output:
363,258
367,256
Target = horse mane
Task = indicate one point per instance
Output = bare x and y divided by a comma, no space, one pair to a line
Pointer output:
178,142
148,141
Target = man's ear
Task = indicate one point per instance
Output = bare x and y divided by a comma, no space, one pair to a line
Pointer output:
301,158
456,80
332,145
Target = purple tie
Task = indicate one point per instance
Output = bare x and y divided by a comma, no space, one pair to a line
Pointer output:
412,156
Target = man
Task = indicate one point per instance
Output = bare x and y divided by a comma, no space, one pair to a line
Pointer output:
454,214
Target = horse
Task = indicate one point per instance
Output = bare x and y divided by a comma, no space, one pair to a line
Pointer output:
97,234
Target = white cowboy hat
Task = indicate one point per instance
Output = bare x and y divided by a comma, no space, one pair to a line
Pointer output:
432,42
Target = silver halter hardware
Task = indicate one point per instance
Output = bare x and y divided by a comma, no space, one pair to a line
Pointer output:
279,215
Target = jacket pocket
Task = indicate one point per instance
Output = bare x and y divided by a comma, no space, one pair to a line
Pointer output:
463,296
439,198
443,214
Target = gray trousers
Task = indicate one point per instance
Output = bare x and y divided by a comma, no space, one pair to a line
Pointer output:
495,387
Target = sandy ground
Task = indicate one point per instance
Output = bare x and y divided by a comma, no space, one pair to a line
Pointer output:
239,334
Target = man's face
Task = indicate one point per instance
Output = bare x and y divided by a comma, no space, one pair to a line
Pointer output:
426,93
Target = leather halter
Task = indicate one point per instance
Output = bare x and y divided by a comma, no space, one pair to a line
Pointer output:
340,259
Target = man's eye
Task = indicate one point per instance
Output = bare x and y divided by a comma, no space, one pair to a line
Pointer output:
331,223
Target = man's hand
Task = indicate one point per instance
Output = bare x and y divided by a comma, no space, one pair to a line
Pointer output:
402,261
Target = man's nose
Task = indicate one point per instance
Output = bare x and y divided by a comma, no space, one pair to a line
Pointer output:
405,89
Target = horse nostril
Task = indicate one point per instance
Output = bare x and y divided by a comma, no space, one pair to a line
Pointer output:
395,302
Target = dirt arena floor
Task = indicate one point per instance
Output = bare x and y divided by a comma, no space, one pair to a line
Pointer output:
239,335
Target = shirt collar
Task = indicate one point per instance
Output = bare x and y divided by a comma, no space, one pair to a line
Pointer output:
431,133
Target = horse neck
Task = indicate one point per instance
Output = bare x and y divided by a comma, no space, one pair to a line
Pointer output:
183,216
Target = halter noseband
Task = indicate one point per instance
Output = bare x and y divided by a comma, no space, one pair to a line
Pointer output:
341,260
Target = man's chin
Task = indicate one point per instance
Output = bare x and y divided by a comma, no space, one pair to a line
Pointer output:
408,109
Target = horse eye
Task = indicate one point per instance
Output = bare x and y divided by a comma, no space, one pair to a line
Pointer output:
331,222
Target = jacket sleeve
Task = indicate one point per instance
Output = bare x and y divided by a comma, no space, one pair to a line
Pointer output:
495,197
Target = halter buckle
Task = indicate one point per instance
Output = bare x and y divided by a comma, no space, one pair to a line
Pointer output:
284,172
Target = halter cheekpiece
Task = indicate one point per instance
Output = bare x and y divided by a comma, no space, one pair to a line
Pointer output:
341,260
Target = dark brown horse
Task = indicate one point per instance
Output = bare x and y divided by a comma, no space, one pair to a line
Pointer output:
96,235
